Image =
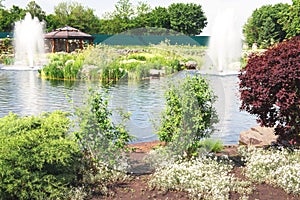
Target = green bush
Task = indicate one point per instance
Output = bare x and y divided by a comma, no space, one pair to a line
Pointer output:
189,114
137,57
38,158
102,139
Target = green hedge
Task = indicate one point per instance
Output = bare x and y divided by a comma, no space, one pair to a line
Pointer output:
38,158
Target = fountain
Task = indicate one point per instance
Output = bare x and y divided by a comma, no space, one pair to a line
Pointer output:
29,42
222,65
225,46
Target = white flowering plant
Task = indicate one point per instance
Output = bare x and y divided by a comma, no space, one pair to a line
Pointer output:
203,177
279,167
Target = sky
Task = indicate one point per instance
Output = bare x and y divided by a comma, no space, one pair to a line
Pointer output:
242,8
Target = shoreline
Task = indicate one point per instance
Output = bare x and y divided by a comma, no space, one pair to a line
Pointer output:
145,147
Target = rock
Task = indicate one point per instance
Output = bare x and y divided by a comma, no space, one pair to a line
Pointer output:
191,64
157,72
257,136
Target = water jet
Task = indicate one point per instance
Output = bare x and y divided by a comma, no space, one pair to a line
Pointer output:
29,42
225,45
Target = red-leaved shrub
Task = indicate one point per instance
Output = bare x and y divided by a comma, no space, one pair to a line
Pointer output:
270,89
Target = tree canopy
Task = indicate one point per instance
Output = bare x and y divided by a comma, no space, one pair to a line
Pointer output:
263,26
35,10
76,15
187,18
290,19
272,24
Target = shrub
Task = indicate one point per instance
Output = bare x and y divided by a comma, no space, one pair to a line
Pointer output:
38,158
270,89
189,115
101,139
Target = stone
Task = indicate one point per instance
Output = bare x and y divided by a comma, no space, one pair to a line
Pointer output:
191,64
157,72
257,136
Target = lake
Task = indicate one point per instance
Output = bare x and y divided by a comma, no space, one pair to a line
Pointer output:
24,93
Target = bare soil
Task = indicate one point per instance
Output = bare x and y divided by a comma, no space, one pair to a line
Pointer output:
137,188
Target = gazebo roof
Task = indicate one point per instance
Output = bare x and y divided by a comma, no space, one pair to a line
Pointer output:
67,32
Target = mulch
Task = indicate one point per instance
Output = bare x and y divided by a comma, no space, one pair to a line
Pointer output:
137,187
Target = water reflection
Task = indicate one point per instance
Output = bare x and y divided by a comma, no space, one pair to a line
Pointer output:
24,93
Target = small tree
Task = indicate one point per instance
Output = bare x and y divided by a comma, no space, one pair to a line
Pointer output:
270,89
102,139
189,115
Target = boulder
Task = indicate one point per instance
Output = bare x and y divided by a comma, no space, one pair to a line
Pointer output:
257,136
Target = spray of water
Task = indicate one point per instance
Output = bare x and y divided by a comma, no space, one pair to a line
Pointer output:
225,42
28,41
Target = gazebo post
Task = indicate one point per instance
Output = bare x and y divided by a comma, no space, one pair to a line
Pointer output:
53,45
67,46
80,44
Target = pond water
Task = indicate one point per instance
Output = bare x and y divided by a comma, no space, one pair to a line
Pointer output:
24,93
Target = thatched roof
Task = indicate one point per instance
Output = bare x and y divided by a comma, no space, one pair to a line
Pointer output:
68,32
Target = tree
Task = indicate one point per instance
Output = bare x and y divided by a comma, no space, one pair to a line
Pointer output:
17,13
76,15
62,12
142,18
263,26
6,23
51,22
9,17
120,20
290,19
189,115
35,10
160,18
187,18
270,89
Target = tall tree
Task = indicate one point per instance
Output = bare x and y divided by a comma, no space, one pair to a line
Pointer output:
9,17
290,19
51,22
62,12
142,18
263,26
160,18
35,10
187,18
6,24
76,15
122,16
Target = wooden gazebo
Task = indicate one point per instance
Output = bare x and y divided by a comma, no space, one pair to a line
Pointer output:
67,39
